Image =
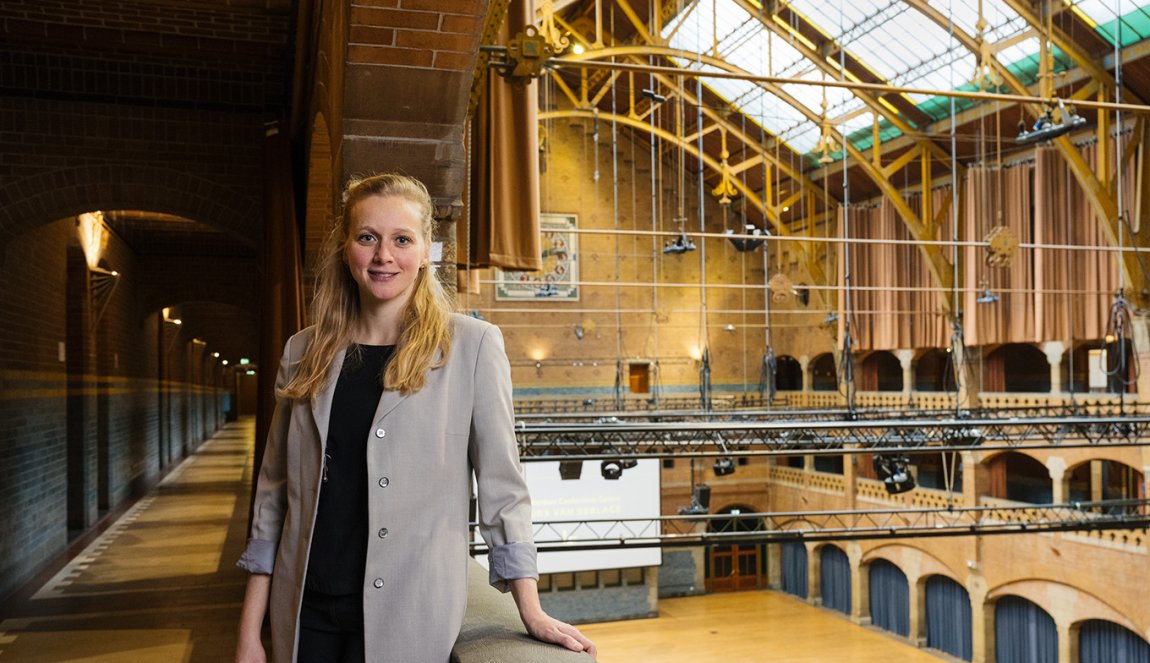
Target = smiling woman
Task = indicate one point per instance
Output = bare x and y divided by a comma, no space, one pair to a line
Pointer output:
385,408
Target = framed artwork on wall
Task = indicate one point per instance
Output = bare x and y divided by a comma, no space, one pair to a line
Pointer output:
559,278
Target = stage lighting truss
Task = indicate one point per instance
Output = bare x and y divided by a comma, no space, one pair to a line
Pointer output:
731,439
759,528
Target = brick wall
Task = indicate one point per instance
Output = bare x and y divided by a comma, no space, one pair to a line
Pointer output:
83,435
668,331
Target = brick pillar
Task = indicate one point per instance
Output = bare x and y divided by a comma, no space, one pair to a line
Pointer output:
82,454
808,379
981,616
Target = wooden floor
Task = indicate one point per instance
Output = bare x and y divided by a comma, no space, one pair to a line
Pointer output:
160,586
746,627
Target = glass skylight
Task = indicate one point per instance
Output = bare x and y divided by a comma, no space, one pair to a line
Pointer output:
896,42
1134,24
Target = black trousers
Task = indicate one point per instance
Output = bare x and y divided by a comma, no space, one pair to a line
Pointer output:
331,628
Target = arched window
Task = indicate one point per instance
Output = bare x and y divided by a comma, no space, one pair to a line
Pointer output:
1017,367
1101,641
881,371
835,579
824,377
788,374
889,598
1023,632
1105,480
934,371
938,471
795,569
1019,478
948,617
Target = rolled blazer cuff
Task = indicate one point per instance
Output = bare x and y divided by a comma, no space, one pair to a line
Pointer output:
259,557
511,561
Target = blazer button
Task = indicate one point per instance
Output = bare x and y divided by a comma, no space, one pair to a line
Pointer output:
379,432
383,532
378,583
383,482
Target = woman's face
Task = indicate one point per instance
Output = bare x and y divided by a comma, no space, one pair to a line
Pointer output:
385,249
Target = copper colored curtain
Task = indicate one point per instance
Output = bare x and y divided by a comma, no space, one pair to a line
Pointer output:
997,470
1062,215
504,215
889,308
994,378
995,197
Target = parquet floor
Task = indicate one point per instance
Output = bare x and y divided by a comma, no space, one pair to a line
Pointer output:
746,627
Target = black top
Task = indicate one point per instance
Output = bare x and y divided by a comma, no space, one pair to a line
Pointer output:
339,541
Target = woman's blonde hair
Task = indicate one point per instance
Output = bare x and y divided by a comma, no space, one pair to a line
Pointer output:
335,308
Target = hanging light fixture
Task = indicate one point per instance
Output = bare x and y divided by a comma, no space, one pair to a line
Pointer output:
894,472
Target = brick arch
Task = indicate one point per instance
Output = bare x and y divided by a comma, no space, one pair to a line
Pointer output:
916,563
1066,604
46,197
234,282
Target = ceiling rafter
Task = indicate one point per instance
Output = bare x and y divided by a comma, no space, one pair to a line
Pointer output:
1099,184
1068,46
921,228
691,147
770,209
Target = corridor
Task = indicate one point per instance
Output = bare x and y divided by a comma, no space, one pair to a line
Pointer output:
158,585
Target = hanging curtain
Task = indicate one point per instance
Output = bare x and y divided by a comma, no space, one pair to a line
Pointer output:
504,215
1063,215
1024,633
887,313
795,569
996,471
835,579
994,377
996,197
889,598
1101,641
948,617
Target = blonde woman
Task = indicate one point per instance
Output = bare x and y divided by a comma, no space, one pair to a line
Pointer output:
384,407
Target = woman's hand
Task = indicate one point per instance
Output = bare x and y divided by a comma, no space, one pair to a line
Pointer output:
548,629
542,626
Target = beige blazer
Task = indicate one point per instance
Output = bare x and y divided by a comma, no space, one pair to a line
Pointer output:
422,449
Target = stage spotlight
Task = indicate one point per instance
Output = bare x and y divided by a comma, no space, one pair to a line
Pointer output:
987,296
723,467
700,501
894,472
570,470
613,469
680,244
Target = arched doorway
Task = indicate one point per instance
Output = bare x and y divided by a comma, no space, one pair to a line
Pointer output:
736,567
